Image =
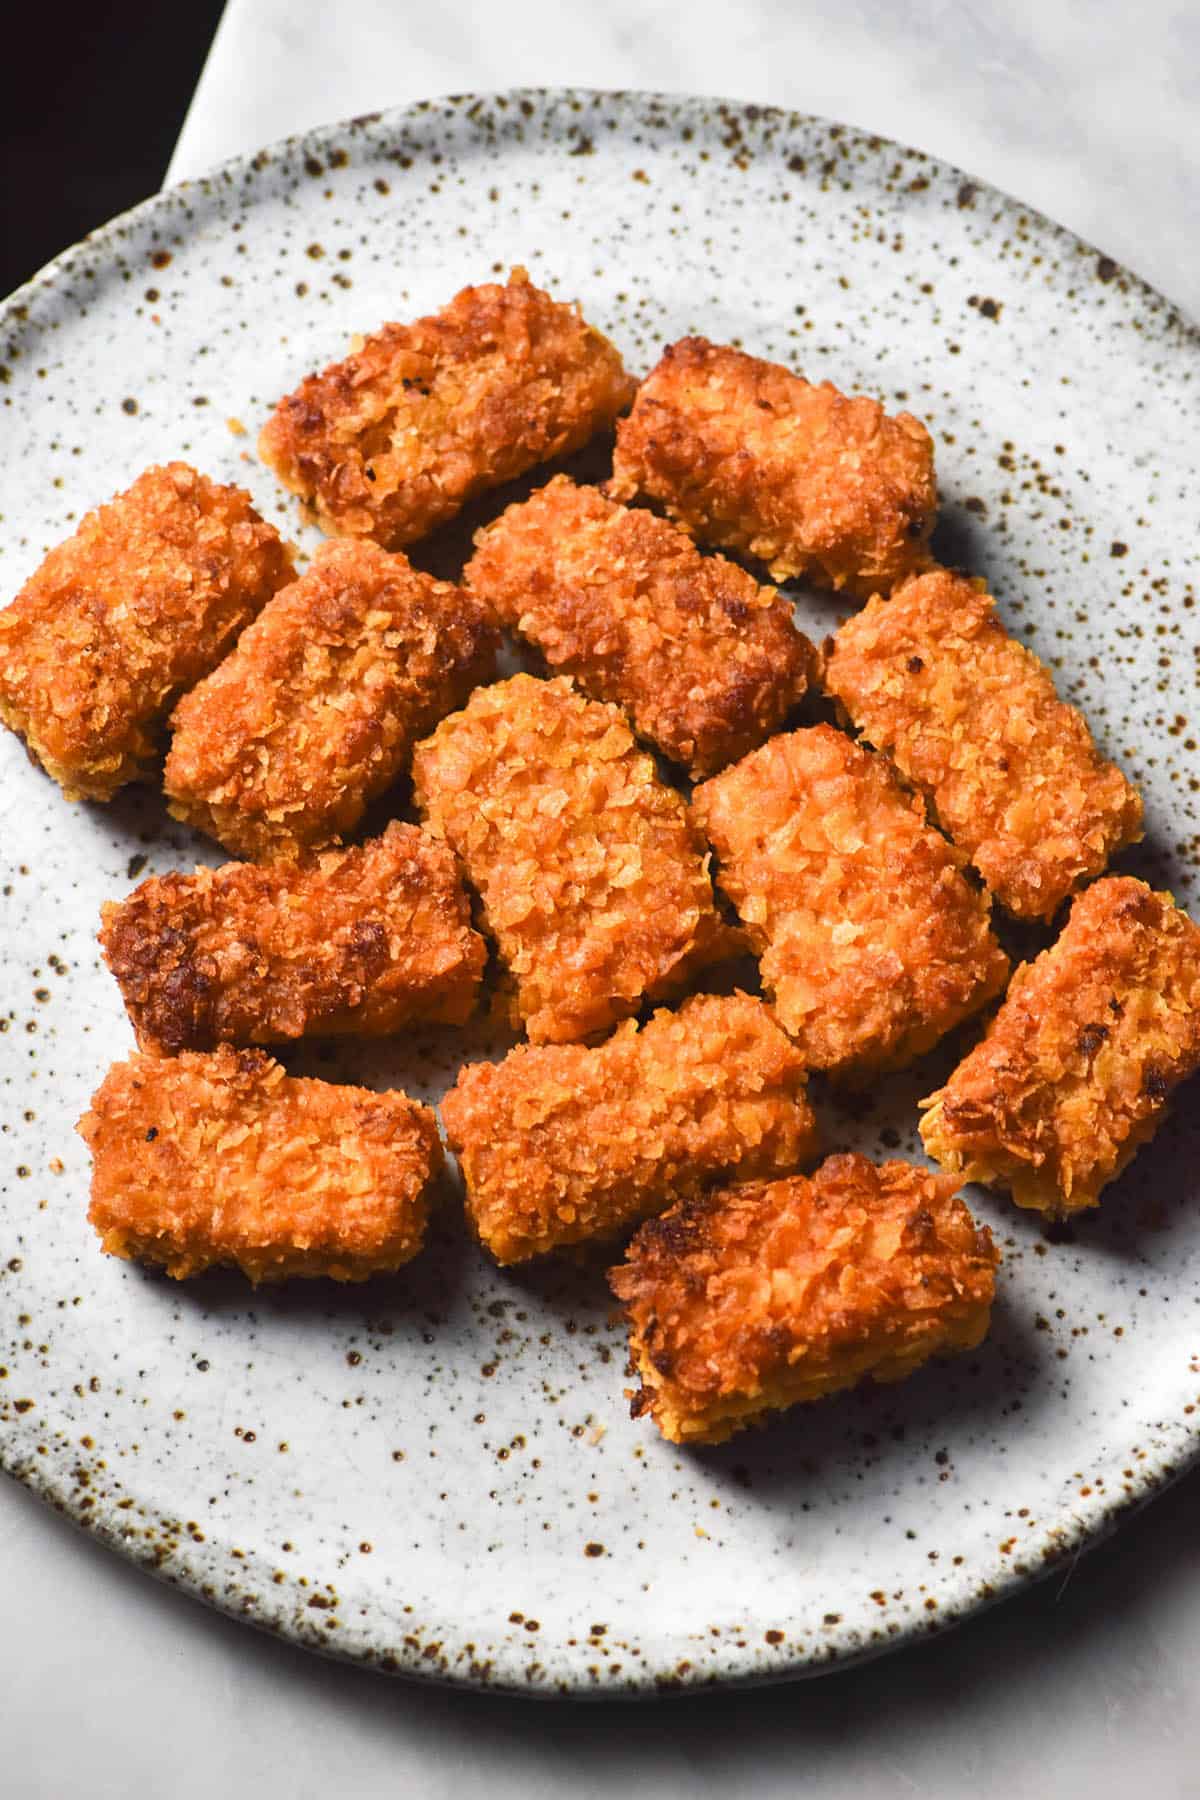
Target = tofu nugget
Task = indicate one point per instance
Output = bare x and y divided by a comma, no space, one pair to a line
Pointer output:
705,662
971,718
1076,1069
561,1144
811,481
748,1300
316,712
872,943
122,617
594,882
361,941
199,1160
393,441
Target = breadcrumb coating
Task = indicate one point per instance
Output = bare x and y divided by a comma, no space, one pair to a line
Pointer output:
971,718
201,1160
594,881
316,711
562,1144
363,941
1076,1070
392,442
705,661
141,602
872,943
748,1300
748,455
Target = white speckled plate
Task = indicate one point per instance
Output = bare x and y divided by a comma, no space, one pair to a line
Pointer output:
437,1474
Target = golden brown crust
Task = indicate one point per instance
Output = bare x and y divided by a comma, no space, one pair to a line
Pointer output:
1077,1067
393,441
594,882
316,711
705,661
748,455
872,944
563,1144
205,1160
971,718
141,602
756,1297
365,940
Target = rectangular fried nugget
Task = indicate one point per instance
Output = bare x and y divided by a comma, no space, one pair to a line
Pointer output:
315,713
201,1160
750,456
594,881
872,943
746,1301
141,602
393,441
1077,1067
561,1144
971,718
362,941
705,661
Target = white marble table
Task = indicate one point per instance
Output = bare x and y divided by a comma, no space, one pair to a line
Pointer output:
113,1686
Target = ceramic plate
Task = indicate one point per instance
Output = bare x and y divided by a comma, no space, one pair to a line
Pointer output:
436,1474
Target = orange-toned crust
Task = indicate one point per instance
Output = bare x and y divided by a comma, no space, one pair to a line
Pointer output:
872,943
971,718
393,441
1076,1070
751,1299
202,1160
141,602
748,455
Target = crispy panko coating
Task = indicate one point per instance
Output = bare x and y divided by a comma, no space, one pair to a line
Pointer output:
392,442
362,941
561,1144
1076,1069
872,943
222,1158
748,455
594,881
705,661
141,602
971,718
748,1300
316,711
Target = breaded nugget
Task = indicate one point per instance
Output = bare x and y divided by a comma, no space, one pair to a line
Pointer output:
561,1144
872,943
1076,1069
361,941
971,718
316,711
705,661
121,618
199,1160
748,455
751,1299
393,441
594,882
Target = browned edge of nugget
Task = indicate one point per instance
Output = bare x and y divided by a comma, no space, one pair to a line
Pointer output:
972,719
753,1298
201,1160
1077,1067
563,1144
746,454
140,602
316,711
391,442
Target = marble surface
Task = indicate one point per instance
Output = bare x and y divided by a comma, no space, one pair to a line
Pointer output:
115,1686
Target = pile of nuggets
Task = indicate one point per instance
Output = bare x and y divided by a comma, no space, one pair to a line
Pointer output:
648,808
